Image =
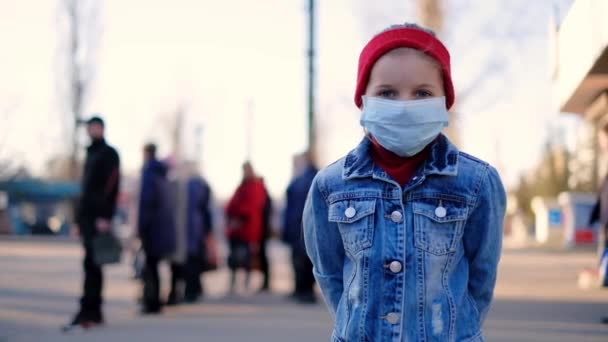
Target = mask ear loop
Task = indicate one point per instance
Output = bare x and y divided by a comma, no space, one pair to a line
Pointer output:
366,133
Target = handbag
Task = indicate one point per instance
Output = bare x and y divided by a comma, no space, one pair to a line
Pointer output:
210,258
107,249
240,256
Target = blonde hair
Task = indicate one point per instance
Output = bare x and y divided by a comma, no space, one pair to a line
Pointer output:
410,26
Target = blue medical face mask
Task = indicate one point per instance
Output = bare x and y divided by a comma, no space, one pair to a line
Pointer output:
404,127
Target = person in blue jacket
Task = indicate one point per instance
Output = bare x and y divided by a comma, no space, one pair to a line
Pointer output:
199,227
304,173
156,225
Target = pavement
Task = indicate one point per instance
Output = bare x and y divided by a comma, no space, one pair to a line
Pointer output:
537,299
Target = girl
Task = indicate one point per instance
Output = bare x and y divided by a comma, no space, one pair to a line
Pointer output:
405,231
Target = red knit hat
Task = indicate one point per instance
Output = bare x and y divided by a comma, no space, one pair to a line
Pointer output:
400,37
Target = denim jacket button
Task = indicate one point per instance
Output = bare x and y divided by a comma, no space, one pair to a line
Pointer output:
392,318
350,212
396,216
440,212
395,266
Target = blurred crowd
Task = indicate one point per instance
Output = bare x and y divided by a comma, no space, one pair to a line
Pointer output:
175,224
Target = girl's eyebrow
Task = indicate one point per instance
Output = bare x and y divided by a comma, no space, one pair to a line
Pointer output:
422,85
426,85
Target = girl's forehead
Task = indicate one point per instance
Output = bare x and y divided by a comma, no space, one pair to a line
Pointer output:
410,53
405,62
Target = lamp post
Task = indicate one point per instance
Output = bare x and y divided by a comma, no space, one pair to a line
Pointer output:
311,78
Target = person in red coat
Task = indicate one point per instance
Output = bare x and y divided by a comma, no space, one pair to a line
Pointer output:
244,218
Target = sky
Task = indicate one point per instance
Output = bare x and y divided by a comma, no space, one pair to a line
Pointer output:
238,68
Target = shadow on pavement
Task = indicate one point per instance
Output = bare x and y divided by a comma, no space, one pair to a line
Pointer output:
549,320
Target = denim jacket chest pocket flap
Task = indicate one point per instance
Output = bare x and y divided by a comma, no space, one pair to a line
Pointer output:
438,224
355,219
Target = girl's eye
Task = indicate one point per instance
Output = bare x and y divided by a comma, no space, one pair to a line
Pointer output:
387,93
421,94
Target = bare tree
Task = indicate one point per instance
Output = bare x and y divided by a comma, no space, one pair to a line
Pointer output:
498,41
10,163
169,129
177,128
79,26
430,13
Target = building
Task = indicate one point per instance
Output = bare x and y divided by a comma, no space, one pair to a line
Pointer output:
581,71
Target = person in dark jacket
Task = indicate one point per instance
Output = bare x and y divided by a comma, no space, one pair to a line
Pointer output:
199,227
266,235
194,222
304,173
599,213
156,225
97,204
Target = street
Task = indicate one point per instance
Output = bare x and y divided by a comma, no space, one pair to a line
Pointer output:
537,299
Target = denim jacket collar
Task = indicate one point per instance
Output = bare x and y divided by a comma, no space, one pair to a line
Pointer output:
442,160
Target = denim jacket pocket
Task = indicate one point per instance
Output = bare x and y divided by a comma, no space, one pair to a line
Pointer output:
438,224
355,219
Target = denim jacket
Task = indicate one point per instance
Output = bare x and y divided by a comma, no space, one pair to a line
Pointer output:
413,263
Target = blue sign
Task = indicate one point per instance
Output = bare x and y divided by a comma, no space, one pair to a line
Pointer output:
555,217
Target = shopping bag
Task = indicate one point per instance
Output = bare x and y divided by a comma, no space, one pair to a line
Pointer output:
240,256
107,249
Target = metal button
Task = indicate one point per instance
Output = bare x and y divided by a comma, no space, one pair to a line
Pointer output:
396,216
395,266
440,212
350,212
392,318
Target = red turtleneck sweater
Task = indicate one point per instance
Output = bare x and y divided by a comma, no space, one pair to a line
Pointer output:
401,169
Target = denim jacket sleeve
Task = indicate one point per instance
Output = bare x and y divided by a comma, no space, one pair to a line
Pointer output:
324,247
483,240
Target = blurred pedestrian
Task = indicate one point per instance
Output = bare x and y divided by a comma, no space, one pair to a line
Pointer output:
177,177
304,173
600,211
405,231
266,235
97,205
244,220
600,214
156,225
199,228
